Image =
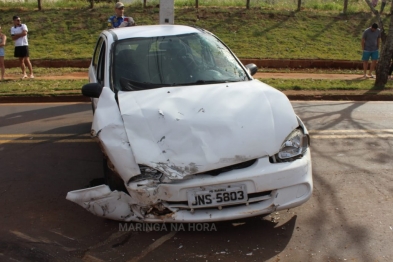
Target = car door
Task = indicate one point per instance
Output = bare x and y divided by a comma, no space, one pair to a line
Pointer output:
97,72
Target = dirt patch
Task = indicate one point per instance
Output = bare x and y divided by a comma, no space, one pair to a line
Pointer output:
70,76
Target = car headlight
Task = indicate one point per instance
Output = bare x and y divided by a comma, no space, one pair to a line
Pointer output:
293,147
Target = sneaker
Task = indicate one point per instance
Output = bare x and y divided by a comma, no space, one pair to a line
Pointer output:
364,76
25,76
31,76
371,76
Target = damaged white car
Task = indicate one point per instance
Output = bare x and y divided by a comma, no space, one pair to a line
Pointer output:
187,134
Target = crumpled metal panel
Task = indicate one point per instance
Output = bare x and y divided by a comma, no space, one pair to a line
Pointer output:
103,202
109,128
186,130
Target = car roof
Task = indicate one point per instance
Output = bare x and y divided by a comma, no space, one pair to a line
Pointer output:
151,31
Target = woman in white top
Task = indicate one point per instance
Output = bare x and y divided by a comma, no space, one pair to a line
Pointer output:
3,40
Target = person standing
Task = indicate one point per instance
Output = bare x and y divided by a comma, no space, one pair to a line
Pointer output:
19,35
3,41
370,45
119,20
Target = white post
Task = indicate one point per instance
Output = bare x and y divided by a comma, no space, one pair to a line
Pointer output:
167,12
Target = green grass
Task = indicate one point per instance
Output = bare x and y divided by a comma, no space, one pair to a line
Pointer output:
40,87
320,5
311,70
322,84
73,87
269,29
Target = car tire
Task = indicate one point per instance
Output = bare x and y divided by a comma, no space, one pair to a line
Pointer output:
112,179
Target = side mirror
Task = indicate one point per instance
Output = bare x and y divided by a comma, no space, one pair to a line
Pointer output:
92,90
252,68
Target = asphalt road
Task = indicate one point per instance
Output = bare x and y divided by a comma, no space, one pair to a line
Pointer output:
45,151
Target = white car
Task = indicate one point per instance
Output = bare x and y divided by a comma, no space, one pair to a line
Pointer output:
187,133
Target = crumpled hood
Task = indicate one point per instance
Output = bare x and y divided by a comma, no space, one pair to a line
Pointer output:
192,129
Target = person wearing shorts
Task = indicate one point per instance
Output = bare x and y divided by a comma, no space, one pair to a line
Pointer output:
19,35
370,45
3,40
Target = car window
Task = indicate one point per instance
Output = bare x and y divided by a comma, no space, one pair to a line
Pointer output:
190,59
100,70
97,52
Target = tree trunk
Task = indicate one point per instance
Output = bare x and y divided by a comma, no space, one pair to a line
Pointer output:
248,4
382,71
91,4
196,4
39,5
299,4
345,6
144,4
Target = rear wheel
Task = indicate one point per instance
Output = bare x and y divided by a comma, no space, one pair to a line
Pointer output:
112,179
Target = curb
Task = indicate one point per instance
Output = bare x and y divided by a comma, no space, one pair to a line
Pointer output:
340,97
299,97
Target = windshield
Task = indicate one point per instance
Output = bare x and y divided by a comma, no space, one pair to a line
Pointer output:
198,58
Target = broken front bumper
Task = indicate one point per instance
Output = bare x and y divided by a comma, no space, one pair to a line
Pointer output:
270,187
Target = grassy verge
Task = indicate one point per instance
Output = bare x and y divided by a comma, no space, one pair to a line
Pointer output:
259,32
36,87
325,85
73,87
311,71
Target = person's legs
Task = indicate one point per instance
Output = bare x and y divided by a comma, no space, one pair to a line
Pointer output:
372,67
22,66
2,67
374,58
365,66
27,60
365,58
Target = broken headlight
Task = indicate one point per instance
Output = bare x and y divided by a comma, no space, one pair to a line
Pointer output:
147,173
294,147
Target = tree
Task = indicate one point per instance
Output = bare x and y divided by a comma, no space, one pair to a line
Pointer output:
385,57
299,4
386,49
345,6
39,5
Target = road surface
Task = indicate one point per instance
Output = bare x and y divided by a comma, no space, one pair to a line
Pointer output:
45,151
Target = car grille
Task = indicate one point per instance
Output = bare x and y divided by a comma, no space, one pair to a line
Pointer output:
218,171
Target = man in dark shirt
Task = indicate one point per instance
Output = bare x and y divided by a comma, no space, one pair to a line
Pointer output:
370,46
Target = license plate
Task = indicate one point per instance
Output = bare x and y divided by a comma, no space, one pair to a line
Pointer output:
217,196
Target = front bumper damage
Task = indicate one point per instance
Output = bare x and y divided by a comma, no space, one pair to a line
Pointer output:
270,186
285,187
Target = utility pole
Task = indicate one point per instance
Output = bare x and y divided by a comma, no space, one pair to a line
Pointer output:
167,12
